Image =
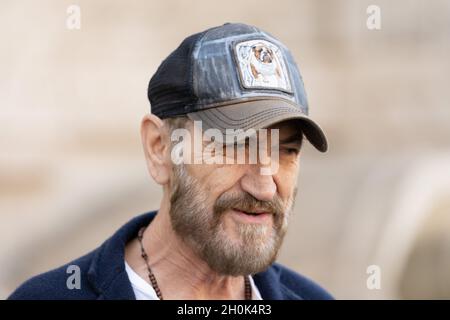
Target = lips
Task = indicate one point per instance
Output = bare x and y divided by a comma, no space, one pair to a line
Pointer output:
254,216
251,213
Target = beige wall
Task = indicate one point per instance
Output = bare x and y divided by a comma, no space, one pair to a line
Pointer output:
72,170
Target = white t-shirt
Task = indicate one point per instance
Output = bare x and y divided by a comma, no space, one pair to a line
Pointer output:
144,291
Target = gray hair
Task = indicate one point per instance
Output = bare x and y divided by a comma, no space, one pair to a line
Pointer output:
177,122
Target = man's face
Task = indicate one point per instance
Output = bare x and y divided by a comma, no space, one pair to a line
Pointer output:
231,215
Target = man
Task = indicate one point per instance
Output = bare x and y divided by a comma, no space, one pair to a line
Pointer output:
223,215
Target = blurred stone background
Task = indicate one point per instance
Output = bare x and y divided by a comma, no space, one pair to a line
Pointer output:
72,169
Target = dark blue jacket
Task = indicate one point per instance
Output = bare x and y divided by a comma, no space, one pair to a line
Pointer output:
103,275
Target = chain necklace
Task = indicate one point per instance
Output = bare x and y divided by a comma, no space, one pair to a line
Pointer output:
154,283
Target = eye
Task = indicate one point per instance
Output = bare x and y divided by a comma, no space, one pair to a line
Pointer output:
291,150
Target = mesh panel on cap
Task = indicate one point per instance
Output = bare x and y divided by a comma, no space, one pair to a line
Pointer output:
171,85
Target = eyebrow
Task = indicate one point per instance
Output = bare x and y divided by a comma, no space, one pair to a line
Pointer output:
293,138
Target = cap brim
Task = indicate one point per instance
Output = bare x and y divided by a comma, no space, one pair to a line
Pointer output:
260,114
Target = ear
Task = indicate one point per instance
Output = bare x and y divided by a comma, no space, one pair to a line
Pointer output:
156,145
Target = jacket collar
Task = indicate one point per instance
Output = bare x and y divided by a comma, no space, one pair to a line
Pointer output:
109,279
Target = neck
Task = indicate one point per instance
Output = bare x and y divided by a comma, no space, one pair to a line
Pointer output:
180,273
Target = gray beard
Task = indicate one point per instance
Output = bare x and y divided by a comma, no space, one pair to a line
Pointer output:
202,229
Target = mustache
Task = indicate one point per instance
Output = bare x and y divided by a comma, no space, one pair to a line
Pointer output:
246,202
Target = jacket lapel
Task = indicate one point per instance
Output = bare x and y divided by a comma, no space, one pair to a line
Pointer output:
269,285
107,273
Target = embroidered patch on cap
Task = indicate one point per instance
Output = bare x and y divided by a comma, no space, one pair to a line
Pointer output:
261,65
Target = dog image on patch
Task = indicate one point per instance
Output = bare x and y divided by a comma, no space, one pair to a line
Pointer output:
261,65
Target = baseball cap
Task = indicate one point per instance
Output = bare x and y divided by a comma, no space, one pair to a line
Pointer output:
233,76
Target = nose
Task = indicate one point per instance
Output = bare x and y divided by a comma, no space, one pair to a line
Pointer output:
262,187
